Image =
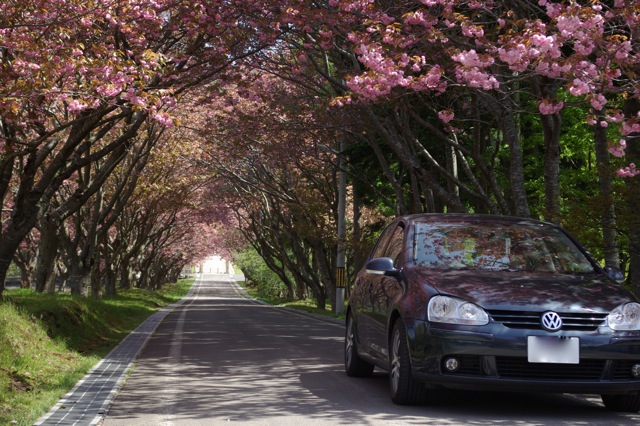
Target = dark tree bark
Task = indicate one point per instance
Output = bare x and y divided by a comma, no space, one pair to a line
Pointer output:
47,254
516,166
632,106
608,216
551,129
544,88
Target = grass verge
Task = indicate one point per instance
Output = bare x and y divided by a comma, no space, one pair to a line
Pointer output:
307,305
49,342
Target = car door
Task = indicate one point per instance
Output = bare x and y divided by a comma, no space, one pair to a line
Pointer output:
363,298
384,290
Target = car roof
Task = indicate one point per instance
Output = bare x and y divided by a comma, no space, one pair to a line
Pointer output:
469,218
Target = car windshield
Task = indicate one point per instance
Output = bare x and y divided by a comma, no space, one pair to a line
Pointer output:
517,247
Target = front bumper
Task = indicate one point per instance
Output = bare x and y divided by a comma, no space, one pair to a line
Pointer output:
495,358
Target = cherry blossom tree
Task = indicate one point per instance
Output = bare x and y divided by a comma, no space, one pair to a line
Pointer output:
76,71
164,224
495,50
471,63
436,90
269,147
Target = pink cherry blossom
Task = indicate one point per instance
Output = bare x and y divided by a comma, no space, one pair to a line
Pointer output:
164,119
547,107
471,58
629,171
618,149
598,101
76,105
446,115
629,127
579,87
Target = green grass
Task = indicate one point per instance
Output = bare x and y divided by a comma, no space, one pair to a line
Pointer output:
307,305
49,342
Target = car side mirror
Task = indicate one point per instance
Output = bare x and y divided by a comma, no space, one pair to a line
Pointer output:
614,273
382,266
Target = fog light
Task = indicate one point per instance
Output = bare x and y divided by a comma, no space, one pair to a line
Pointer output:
452,364
635,371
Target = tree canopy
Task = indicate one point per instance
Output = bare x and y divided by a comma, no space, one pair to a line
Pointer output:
140,135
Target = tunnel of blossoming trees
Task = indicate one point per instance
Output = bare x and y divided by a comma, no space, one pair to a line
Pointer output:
141,136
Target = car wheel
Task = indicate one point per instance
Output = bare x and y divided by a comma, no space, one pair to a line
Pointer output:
353,364
629,402
404,389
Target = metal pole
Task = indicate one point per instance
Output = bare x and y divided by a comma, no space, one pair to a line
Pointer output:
342,201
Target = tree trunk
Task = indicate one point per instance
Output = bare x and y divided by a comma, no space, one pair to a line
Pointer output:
96,283
127,274
452,168
47,252
608,218
4,266
360,254
545,88
516,168
388,173
110,274
10,241
410,161
25,277
326,269
79,279
632,106
8,246
551,128
50,282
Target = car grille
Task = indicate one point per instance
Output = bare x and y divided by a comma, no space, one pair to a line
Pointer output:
587,321
520,368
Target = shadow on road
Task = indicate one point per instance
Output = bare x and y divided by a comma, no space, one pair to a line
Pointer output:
220,359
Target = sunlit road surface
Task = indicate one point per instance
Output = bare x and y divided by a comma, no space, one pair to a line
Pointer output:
220,358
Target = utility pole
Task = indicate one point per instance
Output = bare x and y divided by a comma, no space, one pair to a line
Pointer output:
342,201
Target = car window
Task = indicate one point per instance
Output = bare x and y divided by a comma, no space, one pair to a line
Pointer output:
396,243
518,247
381,245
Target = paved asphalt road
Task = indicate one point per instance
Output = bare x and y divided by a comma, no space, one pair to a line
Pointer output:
221,358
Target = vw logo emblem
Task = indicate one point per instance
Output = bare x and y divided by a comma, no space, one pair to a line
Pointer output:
551,321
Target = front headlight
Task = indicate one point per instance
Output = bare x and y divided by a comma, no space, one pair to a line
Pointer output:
625,317
455,311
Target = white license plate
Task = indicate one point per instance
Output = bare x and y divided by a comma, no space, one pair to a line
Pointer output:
553,349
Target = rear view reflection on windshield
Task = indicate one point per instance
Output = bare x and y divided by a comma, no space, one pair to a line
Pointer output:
515,248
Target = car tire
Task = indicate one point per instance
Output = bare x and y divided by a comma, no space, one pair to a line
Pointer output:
629,402
353,364
405,390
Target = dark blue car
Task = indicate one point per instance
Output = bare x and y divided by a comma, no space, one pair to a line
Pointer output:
492,303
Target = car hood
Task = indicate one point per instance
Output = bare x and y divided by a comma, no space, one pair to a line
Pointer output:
518,291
